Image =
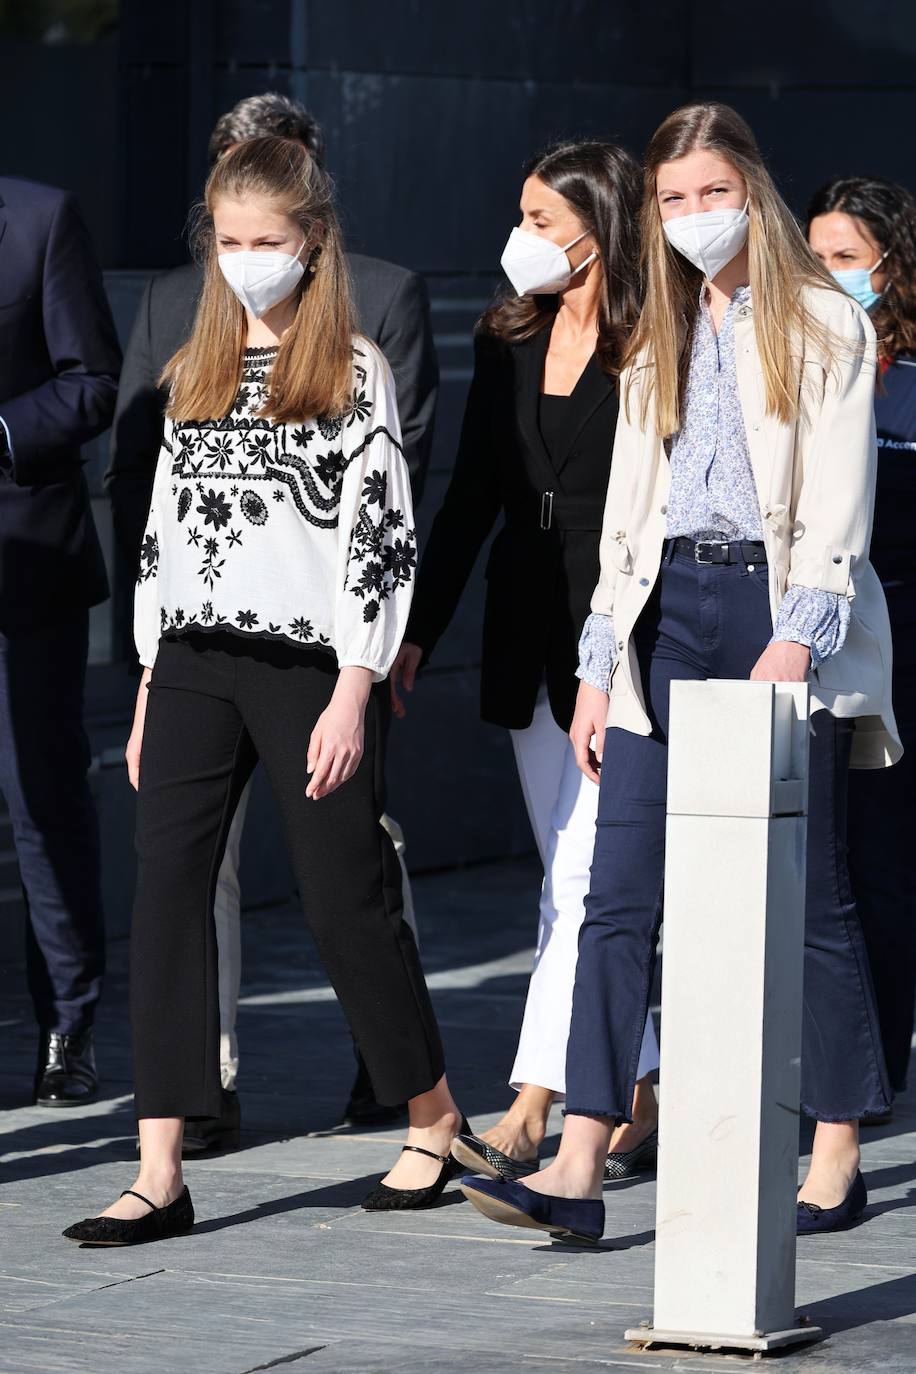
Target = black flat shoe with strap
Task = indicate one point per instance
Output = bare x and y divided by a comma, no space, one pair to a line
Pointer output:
385,1199
175,1219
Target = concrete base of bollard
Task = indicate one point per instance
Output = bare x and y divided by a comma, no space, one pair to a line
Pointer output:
647,1338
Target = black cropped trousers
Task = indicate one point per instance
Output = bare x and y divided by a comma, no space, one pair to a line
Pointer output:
217,704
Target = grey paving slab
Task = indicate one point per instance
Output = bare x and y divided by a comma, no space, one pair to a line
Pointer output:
284,1269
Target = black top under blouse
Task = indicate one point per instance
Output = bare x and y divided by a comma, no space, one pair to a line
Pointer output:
537,467
553,422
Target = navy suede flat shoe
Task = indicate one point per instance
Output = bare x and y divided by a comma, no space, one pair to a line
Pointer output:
513,1204
813,1220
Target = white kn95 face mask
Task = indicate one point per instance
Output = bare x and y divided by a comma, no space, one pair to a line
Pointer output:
263,279
537,266
709,239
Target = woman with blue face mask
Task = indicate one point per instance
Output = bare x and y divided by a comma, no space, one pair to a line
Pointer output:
863,229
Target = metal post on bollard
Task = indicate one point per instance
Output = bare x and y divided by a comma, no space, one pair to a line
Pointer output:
731,1018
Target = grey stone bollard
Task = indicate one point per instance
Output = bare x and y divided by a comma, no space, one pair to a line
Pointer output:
731,1018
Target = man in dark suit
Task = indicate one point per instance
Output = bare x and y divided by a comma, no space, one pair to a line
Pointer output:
59,362
393,309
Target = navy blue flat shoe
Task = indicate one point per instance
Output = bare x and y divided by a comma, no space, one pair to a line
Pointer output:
813,1219
513,1204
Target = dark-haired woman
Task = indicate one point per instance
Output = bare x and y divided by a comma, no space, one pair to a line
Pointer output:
536,450
735,545
275,581
864,231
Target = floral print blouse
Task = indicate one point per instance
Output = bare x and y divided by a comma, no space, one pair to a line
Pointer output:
713,496
302,533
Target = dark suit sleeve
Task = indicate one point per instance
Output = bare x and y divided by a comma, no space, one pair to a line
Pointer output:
472,502
77,403
406,339
136,437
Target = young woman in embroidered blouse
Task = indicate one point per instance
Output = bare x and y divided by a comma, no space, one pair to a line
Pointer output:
735,544
275,582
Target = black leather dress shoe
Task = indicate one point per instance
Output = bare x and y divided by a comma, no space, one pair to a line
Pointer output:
363,1109
176,1219
210,1134
66,1074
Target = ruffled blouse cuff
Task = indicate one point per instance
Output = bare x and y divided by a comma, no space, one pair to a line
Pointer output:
597,651
815,618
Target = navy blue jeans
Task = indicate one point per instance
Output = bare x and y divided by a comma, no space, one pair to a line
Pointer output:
44,759
713,622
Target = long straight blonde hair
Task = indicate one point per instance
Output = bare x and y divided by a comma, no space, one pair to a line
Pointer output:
780,265
312,372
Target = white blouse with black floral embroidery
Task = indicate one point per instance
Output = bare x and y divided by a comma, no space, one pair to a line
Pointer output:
301,533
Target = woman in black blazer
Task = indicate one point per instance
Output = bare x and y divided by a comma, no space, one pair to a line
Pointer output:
536,449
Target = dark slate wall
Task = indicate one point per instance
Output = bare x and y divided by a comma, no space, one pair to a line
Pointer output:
430,112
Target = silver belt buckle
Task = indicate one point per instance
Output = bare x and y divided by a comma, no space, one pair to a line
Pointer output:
707,544
546,510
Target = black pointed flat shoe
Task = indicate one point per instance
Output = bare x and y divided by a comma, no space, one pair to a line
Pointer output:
175,1219
475,1154
629,1163
385,1199
813,1220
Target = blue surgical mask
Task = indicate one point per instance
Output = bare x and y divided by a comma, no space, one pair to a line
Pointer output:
856,282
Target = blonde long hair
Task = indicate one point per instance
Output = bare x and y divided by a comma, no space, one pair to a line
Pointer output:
780,265
311,374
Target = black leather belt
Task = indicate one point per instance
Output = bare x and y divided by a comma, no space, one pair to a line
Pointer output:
746,551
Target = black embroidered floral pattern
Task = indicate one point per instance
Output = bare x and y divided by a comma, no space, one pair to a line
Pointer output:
215,509
329,426
359,408
149,557
242,472
220,451
400,559
252,507
331,469
379,565
375,489
211,567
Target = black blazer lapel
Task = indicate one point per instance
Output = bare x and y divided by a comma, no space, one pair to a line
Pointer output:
529,371
593,389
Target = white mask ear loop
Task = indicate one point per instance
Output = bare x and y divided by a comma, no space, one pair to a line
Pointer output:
585,261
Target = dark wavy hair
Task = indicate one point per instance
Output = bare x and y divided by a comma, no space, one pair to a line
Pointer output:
263,116
603,185
888,212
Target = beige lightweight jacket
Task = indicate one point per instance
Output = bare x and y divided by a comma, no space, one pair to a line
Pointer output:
816,481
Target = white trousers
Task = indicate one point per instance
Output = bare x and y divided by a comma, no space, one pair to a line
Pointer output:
563,809
227,908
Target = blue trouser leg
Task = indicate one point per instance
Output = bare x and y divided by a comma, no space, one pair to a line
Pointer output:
708,622
882,823
44,758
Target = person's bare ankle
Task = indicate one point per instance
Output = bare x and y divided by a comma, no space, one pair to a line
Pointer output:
161,1186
